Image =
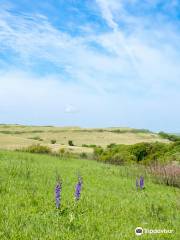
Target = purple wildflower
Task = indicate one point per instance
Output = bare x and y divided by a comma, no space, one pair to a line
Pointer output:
141,182
58,194
78,189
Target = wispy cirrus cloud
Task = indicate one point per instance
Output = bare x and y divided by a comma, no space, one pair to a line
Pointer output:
153,52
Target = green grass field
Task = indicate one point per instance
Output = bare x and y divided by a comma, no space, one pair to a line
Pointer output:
110,206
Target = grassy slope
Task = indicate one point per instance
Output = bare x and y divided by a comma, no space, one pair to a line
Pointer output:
110,207
14,136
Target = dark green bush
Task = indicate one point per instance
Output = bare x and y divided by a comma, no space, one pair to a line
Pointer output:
70,142
140,150
53,141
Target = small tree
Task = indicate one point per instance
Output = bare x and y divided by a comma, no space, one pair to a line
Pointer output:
70,142
53,141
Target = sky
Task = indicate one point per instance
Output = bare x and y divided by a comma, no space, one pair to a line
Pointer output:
90,63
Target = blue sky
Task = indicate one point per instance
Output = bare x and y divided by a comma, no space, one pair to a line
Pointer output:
90,63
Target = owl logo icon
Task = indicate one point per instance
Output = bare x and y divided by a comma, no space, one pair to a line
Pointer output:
139,231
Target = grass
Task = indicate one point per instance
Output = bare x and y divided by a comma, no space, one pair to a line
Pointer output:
110,207
13,141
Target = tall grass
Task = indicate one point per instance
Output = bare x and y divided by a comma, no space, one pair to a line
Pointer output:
110,207
166,174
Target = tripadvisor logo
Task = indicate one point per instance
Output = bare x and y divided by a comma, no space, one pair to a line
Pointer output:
139,231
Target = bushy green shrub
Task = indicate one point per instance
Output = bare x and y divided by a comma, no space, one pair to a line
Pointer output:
84,145
140,150
53,141
145,153
36,138
171,137
115,154
65,153
70,142
38,149
83,155
90,145
62,151
111,145
97,152
121,158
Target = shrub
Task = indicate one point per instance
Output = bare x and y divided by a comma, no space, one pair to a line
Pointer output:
175,157
70,142
61,151
140,150
98,152
90,145
111,145
144,153
65,153
36,138
130,130
85,145
119,159
171,137
38,149
53,141
83,155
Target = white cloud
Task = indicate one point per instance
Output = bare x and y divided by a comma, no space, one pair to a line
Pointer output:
141,56
71,109
107,8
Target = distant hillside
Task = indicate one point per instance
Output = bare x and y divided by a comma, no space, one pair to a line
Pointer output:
17,136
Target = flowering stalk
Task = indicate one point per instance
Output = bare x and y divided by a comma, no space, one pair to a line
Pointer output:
141,182
78,189
58,194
